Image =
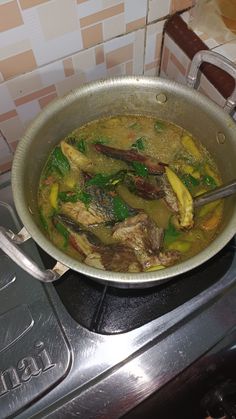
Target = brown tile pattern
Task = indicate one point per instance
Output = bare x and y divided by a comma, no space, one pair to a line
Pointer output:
136,24
18,64
102,15
151,66
44,101
177,5
26,4
5,167
121,55
92,35
10,16
8,115
68,67
106,40
99,54
35,95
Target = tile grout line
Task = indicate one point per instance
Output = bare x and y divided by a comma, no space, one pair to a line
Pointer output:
145,36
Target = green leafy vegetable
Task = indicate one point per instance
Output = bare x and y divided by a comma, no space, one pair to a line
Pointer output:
209,181
120,209
84,197
64,233
107,181
80,145
171,233
76,142
140,168
59,162
139,143
43,220
70,196
189,181
159,126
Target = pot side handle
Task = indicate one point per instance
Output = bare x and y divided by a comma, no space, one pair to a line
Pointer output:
9,244
219,61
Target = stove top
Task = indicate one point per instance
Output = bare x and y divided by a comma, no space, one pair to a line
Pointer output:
81,346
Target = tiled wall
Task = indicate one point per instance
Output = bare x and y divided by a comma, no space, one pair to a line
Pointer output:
48,47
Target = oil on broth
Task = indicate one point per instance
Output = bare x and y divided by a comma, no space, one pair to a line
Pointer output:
84,194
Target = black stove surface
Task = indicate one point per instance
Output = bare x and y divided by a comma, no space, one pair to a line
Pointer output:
108,310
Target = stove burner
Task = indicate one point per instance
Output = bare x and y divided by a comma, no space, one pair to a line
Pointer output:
108,310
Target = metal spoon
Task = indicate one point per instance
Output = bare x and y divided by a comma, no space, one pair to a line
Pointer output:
218,193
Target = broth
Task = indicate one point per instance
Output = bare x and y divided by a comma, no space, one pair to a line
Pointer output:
106,198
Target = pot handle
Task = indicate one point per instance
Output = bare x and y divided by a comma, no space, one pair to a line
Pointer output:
9,244
219,61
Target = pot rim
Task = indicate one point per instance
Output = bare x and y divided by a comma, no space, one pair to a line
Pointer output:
119,279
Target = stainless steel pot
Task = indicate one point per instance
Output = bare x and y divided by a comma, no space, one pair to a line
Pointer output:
166,100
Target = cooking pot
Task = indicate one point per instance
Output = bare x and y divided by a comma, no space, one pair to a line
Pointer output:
162,98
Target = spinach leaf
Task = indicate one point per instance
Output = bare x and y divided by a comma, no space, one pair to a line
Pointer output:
59,161
189,181
139,143
70,196
140,168
170,233
209,181
80,145
107,181
64,233
120,208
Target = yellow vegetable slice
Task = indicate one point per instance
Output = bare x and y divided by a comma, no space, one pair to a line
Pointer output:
75,157
185,200
54,195
180,245
206,209
191,147
190,170
70,181
213,174
155,268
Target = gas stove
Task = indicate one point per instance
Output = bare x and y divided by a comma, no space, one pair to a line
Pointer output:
79,348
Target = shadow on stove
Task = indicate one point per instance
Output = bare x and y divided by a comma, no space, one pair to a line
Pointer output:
108,310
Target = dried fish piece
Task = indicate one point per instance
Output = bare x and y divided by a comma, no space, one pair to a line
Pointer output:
153,166
114,257
141,234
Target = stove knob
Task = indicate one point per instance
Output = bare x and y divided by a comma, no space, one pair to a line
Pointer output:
221,401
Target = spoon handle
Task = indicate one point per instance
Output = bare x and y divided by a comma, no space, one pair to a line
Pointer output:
218,193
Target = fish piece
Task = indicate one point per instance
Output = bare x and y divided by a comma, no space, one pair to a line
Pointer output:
79,213
154,166
75,157
142,234
185,200
114,257
169,198
101,208
146,190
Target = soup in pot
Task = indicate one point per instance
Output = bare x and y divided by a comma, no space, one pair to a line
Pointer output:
117,194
